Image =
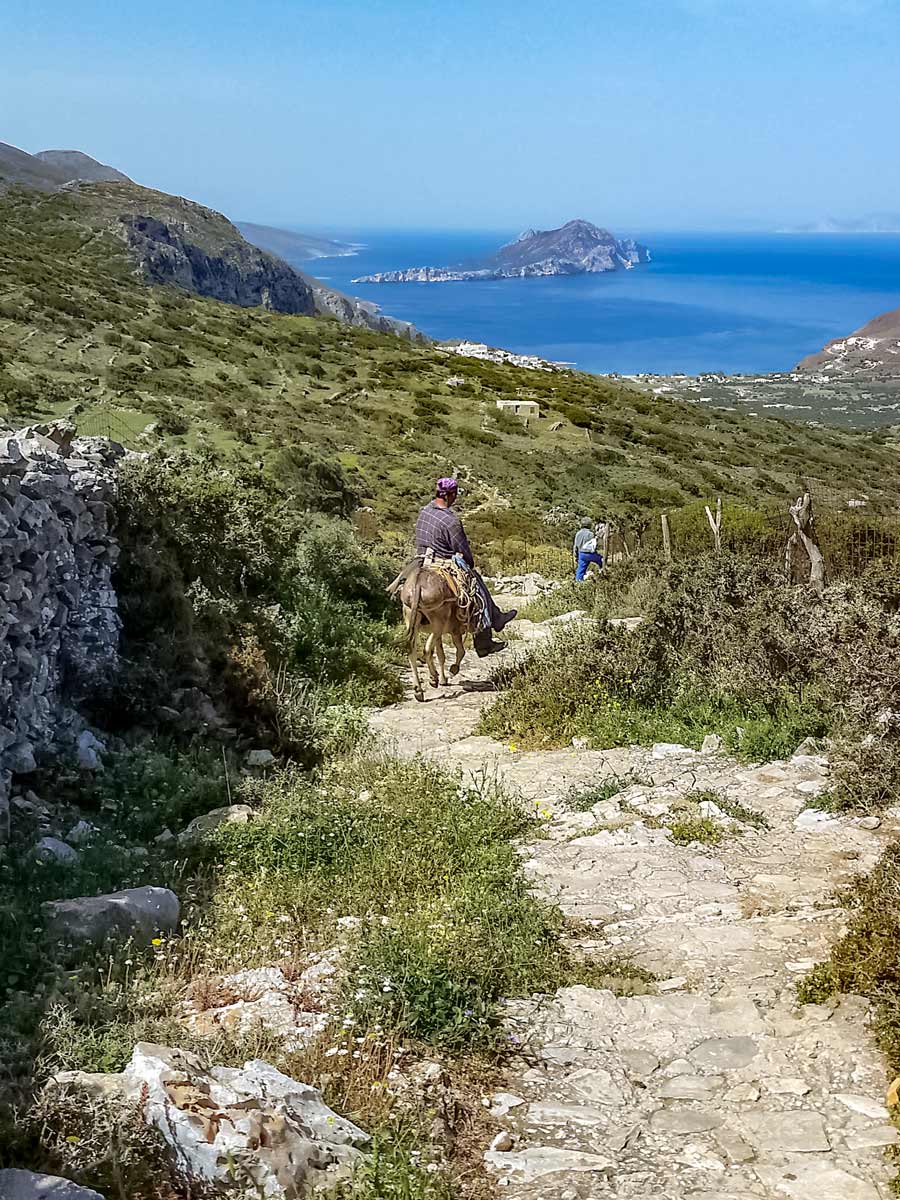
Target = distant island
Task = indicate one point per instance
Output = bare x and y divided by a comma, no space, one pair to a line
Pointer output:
293,247
873,223
577,248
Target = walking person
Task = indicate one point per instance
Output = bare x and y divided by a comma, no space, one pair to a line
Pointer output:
584,549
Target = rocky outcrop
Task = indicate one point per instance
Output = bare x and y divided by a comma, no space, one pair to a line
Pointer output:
364,314
237,273
251,1126
182,243
60,626
870,353
576,248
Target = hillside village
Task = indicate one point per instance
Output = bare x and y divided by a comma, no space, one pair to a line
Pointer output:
611,914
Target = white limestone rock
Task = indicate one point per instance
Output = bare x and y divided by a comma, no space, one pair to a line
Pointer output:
525,1166
30,1185
864,1105
248,1125
669,750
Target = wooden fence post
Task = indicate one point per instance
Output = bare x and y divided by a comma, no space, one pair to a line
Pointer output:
715,524
667,541
804,533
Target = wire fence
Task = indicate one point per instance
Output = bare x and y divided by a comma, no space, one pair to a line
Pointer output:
850,540
102,420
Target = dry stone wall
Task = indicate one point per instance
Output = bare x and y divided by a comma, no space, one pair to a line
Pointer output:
59,626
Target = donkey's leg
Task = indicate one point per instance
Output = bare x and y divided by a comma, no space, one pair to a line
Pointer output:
439,647
460,650
430,642
414,657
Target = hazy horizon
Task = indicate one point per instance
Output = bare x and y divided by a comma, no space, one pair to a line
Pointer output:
695,114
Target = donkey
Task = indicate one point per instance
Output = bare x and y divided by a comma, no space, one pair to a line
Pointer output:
425,593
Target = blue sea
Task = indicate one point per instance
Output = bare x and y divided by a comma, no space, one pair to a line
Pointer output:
737,303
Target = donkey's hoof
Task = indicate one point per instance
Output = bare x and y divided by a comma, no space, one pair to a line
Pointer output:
419,694
454,668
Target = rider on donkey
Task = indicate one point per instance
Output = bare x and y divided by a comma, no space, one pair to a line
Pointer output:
440,535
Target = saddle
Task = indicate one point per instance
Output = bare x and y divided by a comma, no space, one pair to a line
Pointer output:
461,582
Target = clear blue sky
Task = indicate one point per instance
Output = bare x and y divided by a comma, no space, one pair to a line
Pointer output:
642,114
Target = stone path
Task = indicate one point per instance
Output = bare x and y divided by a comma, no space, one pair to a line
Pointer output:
719,1085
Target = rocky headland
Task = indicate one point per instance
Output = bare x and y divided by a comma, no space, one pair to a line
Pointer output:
871,352
576,248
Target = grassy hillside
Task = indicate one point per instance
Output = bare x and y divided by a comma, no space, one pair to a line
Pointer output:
78,327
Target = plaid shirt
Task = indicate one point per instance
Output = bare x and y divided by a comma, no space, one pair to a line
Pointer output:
441,530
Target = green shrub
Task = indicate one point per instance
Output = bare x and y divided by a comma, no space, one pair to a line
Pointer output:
725,646
447,924
394,1170
866,960
687,829
218,557
314,483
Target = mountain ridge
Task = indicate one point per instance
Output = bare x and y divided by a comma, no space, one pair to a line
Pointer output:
80,166
576,248
173,240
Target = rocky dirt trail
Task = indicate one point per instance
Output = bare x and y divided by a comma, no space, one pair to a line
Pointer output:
717,1084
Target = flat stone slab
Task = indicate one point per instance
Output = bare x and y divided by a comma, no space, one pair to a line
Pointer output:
725,1054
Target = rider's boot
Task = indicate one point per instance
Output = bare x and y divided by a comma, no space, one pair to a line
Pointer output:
484,644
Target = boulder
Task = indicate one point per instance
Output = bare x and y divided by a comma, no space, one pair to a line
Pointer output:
51,849
260,758
89,748
250,1126
81,832
231,814
136,912
711,744
29,1185
807,747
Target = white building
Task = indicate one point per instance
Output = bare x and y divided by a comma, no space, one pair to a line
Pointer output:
521,408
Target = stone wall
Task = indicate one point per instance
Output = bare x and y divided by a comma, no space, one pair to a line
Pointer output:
59,628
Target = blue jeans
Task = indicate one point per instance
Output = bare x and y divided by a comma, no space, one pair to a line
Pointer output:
585,558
